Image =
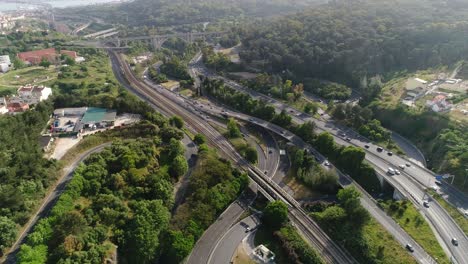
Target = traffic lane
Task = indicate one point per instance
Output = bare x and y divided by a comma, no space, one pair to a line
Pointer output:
397,232
445,227
207,242
228,244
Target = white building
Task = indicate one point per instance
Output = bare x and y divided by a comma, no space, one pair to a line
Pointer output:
263,255
5,59
3,106
4,67
34,94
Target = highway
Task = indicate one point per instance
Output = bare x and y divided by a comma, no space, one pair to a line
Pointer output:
414,179
227,245
48,202
386,221
329,250
211,109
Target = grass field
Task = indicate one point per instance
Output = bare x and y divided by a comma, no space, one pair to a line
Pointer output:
29,75
416,226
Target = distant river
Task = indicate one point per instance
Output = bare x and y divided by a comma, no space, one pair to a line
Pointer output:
55,3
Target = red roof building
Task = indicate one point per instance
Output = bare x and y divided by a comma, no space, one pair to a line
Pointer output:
17,107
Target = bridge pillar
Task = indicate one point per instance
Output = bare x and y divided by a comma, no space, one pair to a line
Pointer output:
157,42
398,195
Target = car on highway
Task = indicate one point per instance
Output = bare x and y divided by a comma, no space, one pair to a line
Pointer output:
454,241
397,172
426,204
270,151
379,149
390,153
408,165
366,146
402,166
391,171
409,247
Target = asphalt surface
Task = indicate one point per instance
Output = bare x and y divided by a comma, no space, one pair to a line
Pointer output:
208,241
49,201
227,245
410,149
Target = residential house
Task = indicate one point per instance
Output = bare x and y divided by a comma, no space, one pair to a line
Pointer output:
17,107
33,94
439,104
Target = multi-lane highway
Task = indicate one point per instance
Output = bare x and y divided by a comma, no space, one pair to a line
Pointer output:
329,250
411,182
211,109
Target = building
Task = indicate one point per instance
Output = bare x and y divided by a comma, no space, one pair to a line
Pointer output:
51,55
263,255
33,94
5,59
439,104
63,112
415,88
17,107
3,106
4,67
98,117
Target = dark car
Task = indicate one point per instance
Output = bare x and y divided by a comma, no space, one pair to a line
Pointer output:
366,146
410,247
390,153
379,149
454,241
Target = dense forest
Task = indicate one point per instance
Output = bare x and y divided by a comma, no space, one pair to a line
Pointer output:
24,174
178,12
346,40
123,197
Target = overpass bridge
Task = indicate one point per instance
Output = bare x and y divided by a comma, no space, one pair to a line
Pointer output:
156,41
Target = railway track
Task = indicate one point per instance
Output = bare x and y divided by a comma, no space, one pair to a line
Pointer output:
330,251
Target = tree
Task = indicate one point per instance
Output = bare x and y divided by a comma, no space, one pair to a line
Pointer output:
325,143
350,201
233,128
18,64
251,154
199,139
275,214
175,148
351,158
32,255
45,63
179,246
177,121
141,238
306,131
7,232
311,108
179,166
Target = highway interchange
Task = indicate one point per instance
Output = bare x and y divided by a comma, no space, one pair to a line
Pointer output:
329,250
412,182
417,192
